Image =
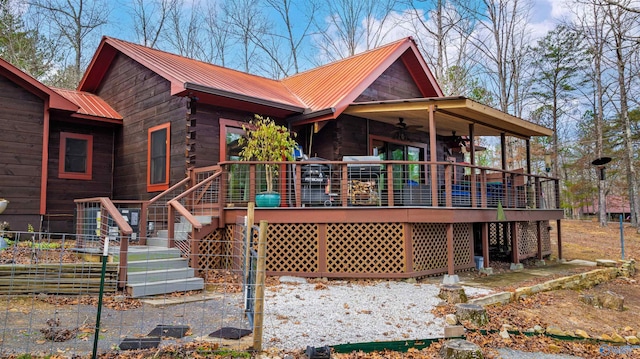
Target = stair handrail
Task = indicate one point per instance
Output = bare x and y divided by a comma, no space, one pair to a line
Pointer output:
197,186
185,213
124,228
172,188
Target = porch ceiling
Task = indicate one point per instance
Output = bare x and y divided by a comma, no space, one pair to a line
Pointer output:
452,114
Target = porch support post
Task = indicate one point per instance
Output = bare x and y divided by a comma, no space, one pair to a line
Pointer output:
450,254
559,239
515,255
408,248
472,152
528,146
503,149
485,244
472,179
322,248
539,230
433,156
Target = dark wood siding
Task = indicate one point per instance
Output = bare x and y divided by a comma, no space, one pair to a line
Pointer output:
208,132
61,192
143,99
21,121
395,83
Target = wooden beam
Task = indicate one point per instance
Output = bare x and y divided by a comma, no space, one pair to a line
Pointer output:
559,238
539,238
450,253
485,243
515,249
433,152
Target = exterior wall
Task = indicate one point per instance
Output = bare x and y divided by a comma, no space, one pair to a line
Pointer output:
21,120
394,83
143,99
60,191
208,118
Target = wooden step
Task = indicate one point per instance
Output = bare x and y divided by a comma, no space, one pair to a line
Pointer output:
137,290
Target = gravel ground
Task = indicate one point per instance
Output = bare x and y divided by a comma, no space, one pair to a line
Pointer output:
298,314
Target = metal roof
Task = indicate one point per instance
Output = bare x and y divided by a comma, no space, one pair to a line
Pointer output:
334,85
89,104
339,83
179,71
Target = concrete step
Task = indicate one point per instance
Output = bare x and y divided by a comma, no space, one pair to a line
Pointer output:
159,275
156,264
138,290
143,253
158,241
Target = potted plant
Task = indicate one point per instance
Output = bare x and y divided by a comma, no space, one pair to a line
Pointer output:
265,141
3,204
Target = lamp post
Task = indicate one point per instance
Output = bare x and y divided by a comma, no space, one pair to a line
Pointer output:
600,165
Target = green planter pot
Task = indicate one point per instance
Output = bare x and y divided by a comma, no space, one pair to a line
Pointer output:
268,199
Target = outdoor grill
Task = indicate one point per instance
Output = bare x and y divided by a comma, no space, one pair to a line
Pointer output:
315,182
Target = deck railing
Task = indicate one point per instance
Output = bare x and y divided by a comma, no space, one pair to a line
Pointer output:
390,184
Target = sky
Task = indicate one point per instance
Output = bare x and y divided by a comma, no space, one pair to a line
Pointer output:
545,15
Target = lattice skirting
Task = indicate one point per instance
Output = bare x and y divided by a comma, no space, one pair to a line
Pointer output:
430,247
368,249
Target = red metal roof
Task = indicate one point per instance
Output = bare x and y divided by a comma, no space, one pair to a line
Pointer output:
339,83
89,104
334,85
181,71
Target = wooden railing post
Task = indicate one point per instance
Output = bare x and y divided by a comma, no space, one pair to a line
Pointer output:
252,183
483,188
143,222
171,218
123,259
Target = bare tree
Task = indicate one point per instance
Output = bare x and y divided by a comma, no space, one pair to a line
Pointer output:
218,35
591,25
443,34
352,26
149,19
184,29
622,24
72,21
501,38
246,24
282,44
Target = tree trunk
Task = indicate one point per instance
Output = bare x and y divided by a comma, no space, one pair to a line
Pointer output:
460,349
473,313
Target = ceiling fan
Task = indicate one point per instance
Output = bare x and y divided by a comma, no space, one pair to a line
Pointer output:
457,141
402,128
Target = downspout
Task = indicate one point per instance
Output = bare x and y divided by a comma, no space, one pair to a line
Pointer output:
45,160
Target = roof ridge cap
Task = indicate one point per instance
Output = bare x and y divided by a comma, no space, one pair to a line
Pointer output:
192,59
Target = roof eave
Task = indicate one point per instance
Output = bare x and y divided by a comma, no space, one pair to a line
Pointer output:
236,96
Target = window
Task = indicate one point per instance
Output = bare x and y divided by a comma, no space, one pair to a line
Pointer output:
76,156
158,158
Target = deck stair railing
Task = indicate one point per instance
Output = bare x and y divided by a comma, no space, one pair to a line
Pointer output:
98,219
193,209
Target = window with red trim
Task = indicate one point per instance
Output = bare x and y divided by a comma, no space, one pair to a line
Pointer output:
158,141
76,156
